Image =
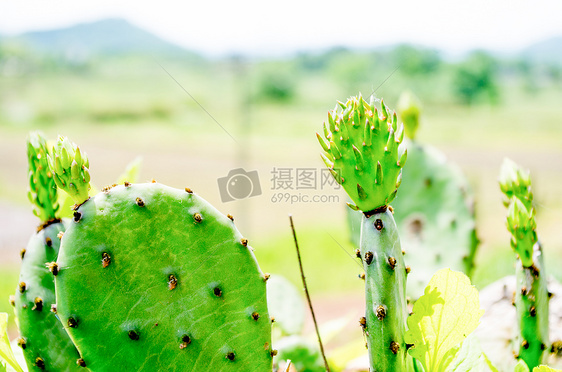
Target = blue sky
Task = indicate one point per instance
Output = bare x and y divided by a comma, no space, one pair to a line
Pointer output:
276,28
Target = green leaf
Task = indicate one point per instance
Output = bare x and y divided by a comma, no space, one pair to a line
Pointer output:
5,349
545,369
448,311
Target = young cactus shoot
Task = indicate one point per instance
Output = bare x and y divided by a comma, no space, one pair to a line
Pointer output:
70,168
42,189
362,149
531,299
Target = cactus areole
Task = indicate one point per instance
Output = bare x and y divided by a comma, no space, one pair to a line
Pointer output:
363,150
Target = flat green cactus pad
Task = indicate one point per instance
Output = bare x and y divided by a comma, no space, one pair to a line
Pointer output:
362,150
46,345
153,278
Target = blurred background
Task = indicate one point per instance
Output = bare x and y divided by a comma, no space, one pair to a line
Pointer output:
203,89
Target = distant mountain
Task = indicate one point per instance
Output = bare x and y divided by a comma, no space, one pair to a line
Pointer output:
547,51
105,37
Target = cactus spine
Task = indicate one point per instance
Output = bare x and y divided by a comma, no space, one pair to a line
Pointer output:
531,299
154,277
46,345
364,153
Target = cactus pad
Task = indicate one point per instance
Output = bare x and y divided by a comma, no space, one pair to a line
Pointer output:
362,150
155,278
46,345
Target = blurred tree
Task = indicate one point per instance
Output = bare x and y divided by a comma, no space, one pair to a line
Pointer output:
415,60
475,79
276,85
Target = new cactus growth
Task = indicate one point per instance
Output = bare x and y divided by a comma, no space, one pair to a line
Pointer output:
531,299
363,150
153,276
434,211
46,345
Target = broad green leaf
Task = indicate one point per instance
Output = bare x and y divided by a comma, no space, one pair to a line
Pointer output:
448,311
5,349
545,369
521,367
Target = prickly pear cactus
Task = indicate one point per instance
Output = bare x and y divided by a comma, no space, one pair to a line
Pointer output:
434,211
154,278
46,345
532,297
363,150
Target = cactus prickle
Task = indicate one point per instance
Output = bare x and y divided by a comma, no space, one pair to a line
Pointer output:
45,343
532,296
364,153
151,277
